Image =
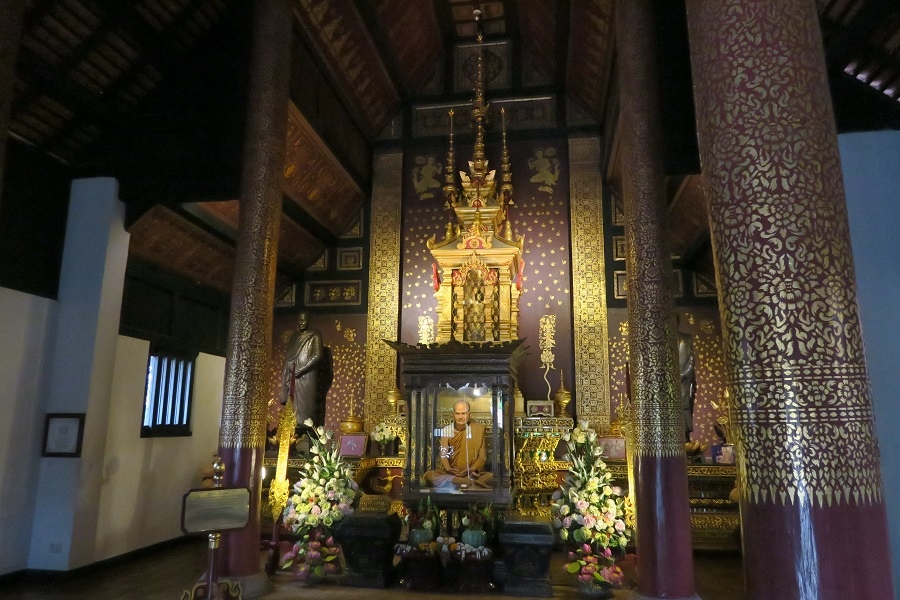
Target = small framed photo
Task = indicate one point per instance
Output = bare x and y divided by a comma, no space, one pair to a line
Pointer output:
539,408
63,434
723,454
353,445
613,447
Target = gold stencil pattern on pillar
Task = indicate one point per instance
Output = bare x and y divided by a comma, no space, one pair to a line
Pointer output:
384,286
796,366
590,331
653,361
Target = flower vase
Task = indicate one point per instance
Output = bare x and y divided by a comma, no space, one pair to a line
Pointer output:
420,536
383,448
473,537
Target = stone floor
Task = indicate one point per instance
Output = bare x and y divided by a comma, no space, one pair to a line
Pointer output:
163,575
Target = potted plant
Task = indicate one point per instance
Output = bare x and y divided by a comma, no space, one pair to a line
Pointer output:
323,496
589,512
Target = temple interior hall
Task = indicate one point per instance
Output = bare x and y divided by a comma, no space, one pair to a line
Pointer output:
614,279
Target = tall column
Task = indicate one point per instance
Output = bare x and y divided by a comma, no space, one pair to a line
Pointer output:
248,359
589,315
10,28
666,568
384,284
809,462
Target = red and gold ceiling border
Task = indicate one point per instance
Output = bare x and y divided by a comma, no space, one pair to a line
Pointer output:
316,180
341,38
165,239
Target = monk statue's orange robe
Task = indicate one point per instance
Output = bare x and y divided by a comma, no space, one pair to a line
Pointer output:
463,456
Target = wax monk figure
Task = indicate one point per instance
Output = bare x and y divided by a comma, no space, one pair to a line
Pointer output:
462,453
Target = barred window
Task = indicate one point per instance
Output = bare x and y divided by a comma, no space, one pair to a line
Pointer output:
167,400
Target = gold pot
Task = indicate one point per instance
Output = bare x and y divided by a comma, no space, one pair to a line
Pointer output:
351,424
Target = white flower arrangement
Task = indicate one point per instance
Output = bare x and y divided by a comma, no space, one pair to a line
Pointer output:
382,435
326,490
587,509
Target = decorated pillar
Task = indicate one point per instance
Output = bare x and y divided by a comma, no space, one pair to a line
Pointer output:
665,561
10,29
247,366
384,286
589,315
808,456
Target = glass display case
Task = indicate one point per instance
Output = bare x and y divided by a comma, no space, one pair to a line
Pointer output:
435,378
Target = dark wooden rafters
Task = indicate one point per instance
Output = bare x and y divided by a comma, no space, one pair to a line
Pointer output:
445,21
301,217
511,11
563,27
366,10
105,109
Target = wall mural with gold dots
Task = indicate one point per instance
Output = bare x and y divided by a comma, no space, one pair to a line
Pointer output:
701,322
540,214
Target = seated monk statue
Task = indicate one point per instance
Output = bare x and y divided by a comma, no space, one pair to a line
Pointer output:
462,453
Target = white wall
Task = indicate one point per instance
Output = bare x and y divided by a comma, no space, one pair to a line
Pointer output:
871,164
144,479
25,326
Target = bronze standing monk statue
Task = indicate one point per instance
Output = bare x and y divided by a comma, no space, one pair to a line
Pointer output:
463,453
301,360
686,364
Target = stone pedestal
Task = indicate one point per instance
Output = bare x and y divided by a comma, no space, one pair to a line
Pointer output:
367,541
527,543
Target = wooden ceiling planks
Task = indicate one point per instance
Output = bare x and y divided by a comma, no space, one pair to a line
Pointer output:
340,37
591,47
414,38
316,180
168,240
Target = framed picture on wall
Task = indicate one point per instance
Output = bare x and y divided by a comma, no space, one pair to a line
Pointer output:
353,445
63,434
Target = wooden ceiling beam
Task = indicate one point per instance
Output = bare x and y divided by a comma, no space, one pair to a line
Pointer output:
298,215
366,10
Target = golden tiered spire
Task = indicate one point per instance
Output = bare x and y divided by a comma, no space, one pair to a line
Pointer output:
478,264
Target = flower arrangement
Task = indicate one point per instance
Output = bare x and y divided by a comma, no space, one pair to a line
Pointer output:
323,495
594,569
476,518
382,436
425,517
588,510
314,557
